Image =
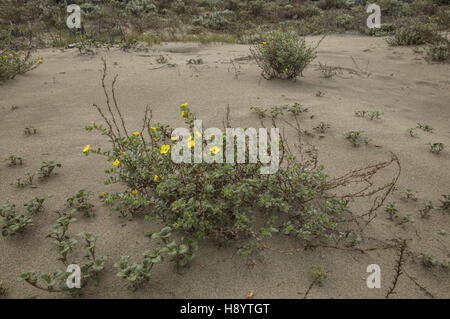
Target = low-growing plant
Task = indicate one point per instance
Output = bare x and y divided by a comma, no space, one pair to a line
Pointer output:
414,33
409,194
437,52
14,160
12,223
36,205
30,130
282,54
445,203
47,168
392,210
357,138
319,275
322,127
138,273
425,127
80,202
22,182
195,61
425,211
90,265
13,63
412,132
371,115
436,148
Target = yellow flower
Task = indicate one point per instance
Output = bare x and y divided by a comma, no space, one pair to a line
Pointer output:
116,163
191,144
190,138
184,114
40,60
198,134
5,57
155,178
264,43
102,195
87,148
136,133
214,150
135,191
153,128
174,138
185,104
10,55
164,149
286,69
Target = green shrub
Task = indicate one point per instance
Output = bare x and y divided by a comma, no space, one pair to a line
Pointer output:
427,7
11,223
217,20
391,7
344,21
282,54
414,33
224,202
437,52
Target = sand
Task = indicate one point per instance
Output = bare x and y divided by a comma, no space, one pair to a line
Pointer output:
57,99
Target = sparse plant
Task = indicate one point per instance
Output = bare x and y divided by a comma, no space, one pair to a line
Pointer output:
80,202
437,52
162,59
319,275
425,211
282,55
436,148
445,203
412,132
195,61
322,127
13,63
414,33
47,168
14,160
392,210
12,223
30,131
357,138
425,127
35,205
409,194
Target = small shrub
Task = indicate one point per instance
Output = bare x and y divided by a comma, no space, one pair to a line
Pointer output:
13,63
344,21
218,20
319,275
425,127
282,55
437,52
356,138
414,33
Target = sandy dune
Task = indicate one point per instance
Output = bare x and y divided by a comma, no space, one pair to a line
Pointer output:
57,98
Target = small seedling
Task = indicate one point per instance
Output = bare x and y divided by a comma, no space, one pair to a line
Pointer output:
428,260
47,168
80,202
409,194
322,127
319,275
360,113
30,131
10,222
356,138
36,205
320,93
412,132
392,210
436,148
14,160
406,219
425,127
195,61
424,212
376,115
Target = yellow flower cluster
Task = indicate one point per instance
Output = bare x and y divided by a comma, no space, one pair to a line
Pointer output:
86,149
116,163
